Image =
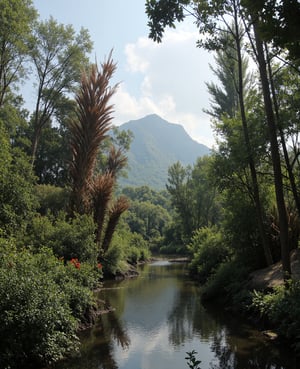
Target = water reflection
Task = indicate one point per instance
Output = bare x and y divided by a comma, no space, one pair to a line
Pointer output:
158,317
238,346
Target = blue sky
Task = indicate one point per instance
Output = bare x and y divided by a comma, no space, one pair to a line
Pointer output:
167,79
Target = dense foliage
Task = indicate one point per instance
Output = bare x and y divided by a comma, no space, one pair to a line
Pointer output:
281,308
253,172
61,228
64,223
42,303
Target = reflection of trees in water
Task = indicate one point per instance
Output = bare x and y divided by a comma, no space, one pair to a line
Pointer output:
188,316
116,329
235,347
231,356
97,351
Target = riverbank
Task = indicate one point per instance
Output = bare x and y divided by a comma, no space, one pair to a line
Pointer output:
158,318
271,277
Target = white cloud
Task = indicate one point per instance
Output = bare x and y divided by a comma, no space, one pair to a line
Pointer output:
169,80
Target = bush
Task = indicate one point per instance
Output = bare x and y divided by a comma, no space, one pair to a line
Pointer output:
113,257
126,247
134,255
52,199
208,251
41,304
227,284
17,197
67,238
282,308
137,249
36,321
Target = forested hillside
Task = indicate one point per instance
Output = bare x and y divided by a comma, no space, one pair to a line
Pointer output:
156,145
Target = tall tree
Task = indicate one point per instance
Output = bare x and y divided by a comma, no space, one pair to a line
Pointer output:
280,125
276,160
89,130
208,17
16,21
279,25
177,186
59,55
92,192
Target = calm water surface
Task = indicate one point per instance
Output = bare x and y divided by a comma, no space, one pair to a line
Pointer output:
158,317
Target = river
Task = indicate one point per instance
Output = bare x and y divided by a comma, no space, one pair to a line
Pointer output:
158,317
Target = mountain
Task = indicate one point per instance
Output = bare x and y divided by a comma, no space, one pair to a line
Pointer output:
157,144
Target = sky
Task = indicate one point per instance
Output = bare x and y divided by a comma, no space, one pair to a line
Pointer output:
167,79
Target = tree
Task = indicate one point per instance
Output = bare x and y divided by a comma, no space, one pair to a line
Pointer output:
16,21
112,154
58,55
286,82
145,193
204,193
17,200
178,188
193,196
116,210
147,219
89,130
52,157
92,192
207,15
231,102
279,24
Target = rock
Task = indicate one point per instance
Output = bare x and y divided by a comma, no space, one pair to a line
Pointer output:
270,335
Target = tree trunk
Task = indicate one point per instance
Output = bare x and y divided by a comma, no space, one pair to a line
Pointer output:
278,183
283,144
255,186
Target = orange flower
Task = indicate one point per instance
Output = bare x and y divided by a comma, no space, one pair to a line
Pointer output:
75,262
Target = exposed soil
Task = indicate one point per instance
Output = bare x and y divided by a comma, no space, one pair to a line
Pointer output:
272,276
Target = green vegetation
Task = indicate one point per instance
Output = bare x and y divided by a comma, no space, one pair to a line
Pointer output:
61,226
64,221
281,308
152,152
191,360
241,211
43,300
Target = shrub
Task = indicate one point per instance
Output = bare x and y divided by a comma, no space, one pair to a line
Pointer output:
137,248
134,255
36,321
208,251
113,257
282,308
42,301
67,238
228,285
52,198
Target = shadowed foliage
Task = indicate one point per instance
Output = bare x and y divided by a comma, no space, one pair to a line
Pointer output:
101,196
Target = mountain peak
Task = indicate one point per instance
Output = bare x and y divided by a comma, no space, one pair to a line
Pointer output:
158,144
